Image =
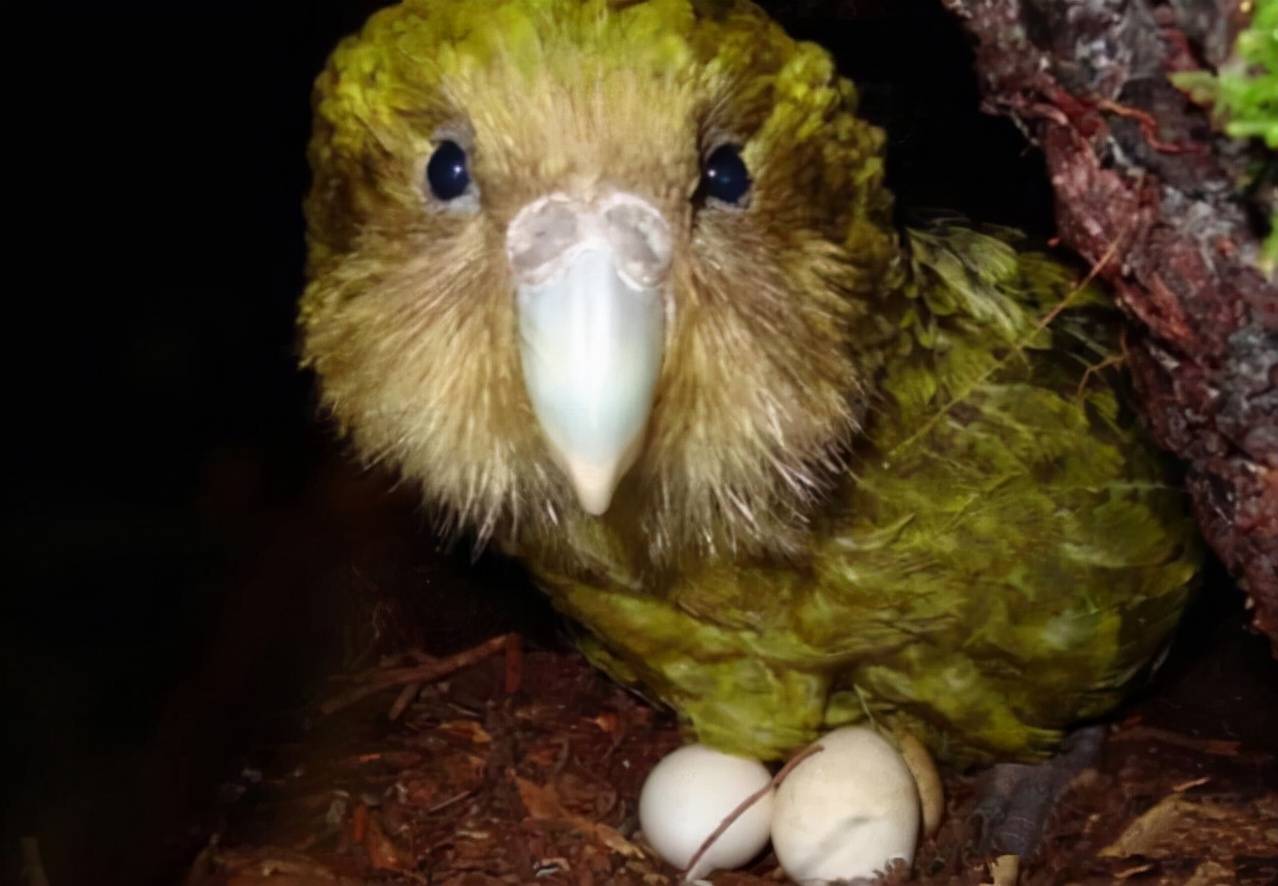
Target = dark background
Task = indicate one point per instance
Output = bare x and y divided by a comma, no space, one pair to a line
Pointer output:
189,540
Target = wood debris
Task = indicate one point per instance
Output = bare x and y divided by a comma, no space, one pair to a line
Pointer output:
475,785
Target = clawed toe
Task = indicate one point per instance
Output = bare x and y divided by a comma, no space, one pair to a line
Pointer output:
1016,799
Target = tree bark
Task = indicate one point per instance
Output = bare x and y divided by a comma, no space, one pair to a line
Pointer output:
1148,189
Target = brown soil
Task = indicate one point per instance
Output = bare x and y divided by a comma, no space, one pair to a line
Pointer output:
474,784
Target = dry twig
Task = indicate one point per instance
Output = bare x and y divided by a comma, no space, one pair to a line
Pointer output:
747,803
424,673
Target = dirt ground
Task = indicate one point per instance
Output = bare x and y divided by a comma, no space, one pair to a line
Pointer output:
525,767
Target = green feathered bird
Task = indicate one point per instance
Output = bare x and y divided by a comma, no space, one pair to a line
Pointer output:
618,284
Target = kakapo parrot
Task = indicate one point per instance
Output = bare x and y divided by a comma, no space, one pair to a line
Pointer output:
619,285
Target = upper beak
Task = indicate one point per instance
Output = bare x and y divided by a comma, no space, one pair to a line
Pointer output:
591,281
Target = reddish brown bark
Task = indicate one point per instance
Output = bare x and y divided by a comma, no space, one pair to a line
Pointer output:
1132,161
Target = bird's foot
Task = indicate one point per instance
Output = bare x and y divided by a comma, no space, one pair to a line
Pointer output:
1016,798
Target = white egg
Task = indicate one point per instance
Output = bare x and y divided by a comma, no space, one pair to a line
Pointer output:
846,811
689,793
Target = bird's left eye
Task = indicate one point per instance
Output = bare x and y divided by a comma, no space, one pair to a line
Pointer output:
724,175
446,172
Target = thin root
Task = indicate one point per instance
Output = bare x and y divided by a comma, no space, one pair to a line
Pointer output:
424,673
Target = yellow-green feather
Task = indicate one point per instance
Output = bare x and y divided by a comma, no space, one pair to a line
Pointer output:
1001,556
1006,557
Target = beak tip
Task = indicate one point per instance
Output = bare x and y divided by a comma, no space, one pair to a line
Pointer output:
595,509
594,485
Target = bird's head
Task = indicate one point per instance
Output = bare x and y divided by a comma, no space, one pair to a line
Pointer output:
577,261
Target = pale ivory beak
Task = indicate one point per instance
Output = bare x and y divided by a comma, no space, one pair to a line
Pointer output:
591,297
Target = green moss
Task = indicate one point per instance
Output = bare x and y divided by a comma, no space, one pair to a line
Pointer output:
1244,93
1244,96
1249,86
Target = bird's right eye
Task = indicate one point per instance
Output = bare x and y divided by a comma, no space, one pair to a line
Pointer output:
447,174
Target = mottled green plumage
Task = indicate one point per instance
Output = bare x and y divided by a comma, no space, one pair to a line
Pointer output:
886,474
1004,559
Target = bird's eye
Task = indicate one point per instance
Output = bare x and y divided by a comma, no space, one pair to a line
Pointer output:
446,173
724,175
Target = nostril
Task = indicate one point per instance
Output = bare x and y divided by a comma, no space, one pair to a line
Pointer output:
641,237
540,233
